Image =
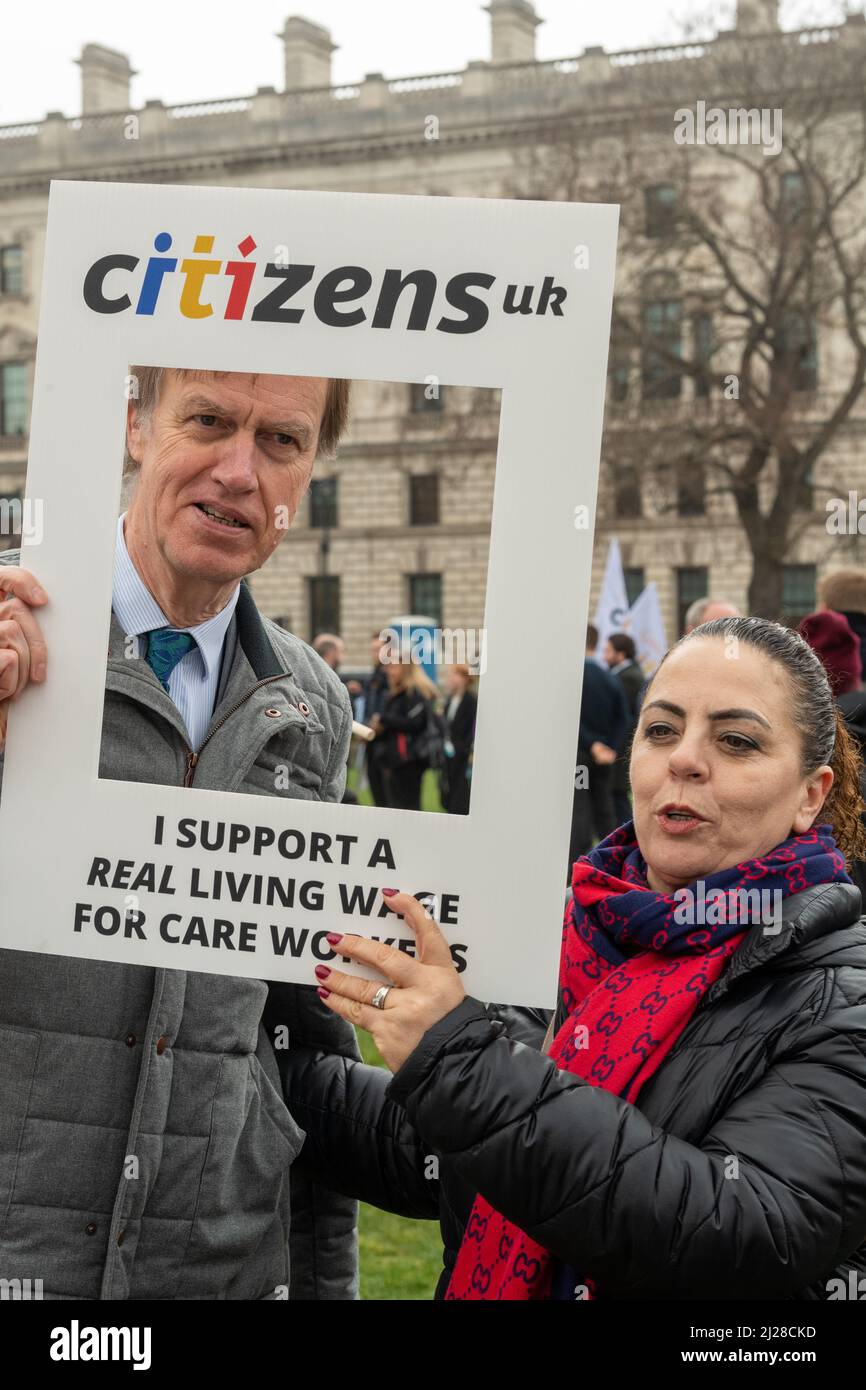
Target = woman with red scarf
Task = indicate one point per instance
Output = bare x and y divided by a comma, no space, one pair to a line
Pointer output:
697,1128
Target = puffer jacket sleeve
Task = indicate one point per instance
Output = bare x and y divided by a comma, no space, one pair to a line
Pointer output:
773,1199
358,1142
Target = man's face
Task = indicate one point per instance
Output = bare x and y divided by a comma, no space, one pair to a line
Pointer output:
229,443
611,655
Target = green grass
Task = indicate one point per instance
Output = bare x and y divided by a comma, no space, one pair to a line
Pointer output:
430,799
400,1259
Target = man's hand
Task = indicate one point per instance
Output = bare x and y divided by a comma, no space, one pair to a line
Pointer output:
23,653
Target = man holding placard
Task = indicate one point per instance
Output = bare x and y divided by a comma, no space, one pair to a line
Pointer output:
148,1146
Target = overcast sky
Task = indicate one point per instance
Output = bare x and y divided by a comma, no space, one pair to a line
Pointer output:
185,51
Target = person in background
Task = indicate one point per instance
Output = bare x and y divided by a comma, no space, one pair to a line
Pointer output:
604,718
401,726
374,693
704,610
460,712
330,648
831,638
844,591
620,659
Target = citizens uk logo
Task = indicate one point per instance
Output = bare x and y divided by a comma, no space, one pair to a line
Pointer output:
203,285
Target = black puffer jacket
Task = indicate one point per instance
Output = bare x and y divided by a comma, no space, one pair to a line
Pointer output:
771,1071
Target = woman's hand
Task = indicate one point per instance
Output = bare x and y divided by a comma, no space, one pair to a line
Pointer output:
426,988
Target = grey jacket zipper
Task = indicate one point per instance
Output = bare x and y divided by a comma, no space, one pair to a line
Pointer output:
192,758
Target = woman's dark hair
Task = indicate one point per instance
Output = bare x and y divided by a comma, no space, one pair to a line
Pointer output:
823,735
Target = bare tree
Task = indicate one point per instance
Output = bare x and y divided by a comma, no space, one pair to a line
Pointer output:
738,350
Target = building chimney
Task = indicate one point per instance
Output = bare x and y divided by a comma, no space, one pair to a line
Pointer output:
512,31
757,16
308,50
105,78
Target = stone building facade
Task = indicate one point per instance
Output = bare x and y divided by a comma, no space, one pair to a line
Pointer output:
399,521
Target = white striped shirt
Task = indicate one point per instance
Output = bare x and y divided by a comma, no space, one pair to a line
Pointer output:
193,683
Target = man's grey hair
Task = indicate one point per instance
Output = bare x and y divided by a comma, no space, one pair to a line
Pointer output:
696,611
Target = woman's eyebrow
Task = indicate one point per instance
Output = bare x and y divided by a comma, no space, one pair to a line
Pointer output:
665,704
716,714
741,714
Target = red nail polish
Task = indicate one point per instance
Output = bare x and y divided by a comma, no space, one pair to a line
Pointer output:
389,892
322,972
334,937
323,993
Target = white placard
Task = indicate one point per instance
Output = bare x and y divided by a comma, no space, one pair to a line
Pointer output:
501,870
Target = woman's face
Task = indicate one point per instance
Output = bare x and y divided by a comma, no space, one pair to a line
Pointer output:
716,764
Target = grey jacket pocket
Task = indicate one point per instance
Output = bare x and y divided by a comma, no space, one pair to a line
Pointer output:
19,1050
240,1231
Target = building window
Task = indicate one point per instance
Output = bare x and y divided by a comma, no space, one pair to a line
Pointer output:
626,492
10,520
798,592
797,350
425,596
691,492
703,330
620,371
634,583
11,270
426,395
662,327
660,203
324,604
792,196
693,582
323,502
13,398
424,499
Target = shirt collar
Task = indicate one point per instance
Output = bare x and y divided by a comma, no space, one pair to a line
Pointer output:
138,612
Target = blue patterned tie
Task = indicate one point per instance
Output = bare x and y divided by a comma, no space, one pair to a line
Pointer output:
165,648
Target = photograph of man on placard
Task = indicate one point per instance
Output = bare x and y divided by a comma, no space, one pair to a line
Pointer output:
216,467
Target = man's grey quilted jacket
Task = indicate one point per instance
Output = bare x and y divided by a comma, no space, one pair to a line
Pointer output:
145,1147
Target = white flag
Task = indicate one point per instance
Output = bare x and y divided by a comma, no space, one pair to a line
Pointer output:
643,623
612,607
